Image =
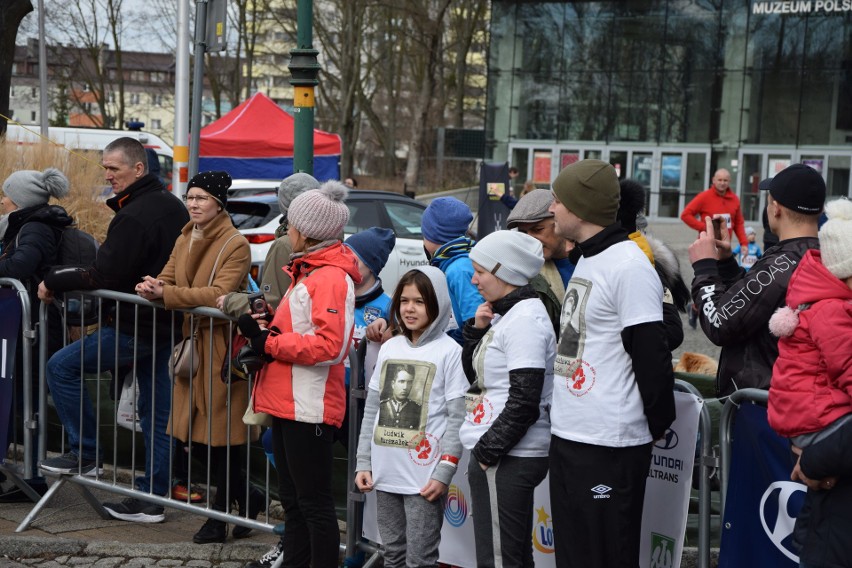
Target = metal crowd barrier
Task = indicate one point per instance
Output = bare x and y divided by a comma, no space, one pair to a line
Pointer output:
104,300
16,471
726,430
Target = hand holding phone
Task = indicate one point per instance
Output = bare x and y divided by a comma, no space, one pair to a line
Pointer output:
718,222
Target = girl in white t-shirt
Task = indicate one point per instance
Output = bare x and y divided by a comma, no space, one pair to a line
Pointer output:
409,445
509,349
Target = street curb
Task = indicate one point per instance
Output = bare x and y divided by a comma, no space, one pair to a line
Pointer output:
51,547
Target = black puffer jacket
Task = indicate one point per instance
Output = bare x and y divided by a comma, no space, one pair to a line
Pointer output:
30,246
139,240
824,526
734,307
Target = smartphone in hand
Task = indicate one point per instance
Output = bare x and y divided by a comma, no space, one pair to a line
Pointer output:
718,223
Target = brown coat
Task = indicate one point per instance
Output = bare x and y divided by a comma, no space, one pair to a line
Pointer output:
186,275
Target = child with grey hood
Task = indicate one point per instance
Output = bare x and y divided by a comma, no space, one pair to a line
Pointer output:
409,446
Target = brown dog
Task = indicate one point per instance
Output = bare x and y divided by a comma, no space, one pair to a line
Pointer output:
697,364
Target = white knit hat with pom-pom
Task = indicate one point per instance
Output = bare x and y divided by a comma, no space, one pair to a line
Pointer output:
320,214
27,188
835,238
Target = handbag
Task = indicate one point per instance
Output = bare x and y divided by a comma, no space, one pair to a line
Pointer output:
185,356
232,370
252,418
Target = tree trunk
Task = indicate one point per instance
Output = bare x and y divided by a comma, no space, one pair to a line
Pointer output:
432,38
11,14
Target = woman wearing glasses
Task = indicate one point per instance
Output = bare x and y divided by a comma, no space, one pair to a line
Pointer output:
210,258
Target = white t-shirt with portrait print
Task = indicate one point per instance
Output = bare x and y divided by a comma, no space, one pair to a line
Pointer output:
521,339
596,399
403,459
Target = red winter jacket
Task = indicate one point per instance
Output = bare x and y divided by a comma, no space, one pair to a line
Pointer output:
709,202
812,378
310,339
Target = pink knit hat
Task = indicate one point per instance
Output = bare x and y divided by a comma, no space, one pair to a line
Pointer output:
320,213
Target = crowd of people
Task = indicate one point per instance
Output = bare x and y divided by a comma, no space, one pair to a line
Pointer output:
515,348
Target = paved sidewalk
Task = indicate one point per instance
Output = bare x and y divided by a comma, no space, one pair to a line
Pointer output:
70,533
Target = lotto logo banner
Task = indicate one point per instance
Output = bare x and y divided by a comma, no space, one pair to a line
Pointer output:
10,328
668,487
762,503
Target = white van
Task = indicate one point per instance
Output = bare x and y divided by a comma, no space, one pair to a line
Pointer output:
93,139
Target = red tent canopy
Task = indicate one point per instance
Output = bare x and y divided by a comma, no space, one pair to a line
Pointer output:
258,128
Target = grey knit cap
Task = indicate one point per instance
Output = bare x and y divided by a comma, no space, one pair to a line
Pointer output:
320,213
292,186
531,208
29,187
511,256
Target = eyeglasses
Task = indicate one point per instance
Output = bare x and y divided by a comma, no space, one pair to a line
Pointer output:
197,198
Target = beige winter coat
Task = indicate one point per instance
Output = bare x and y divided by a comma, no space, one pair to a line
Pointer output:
186,275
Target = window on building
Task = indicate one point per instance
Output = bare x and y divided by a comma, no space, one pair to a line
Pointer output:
157,100
32,116
134,98
35,92
156,124
111,97
12,91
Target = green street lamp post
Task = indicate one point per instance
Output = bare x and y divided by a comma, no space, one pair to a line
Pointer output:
304,70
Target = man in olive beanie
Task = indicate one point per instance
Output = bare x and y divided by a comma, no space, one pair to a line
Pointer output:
613,389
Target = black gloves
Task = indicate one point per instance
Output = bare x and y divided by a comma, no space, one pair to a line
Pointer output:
251,330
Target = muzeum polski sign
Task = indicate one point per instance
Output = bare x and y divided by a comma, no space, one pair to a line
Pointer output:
802,7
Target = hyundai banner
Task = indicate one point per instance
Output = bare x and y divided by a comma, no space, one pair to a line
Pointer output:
666,502
762,503
10,324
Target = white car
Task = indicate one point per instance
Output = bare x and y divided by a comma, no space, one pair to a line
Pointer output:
257,216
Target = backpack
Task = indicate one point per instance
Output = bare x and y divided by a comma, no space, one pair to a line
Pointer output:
76,247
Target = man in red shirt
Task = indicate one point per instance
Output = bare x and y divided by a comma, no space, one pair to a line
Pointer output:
718,199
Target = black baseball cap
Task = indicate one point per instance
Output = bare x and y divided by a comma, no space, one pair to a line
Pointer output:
797,187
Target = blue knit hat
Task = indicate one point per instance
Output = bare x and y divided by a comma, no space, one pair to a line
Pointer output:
445,219
372,246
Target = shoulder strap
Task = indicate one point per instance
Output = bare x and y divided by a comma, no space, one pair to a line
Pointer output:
218,256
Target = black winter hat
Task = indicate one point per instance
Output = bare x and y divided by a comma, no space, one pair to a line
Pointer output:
214,183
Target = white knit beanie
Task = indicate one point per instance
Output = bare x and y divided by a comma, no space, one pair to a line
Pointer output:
320,213
27,188
835,238
511,256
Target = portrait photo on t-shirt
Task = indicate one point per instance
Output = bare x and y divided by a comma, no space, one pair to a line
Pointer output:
404,389
573,321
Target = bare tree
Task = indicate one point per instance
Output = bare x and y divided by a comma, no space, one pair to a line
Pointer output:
92,25
428,20
11,14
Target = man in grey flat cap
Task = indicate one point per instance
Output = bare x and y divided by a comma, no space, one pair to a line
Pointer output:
532,216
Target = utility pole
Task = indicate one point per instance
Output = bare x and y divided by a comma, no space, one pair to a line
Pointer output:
197,82
180,166
304,69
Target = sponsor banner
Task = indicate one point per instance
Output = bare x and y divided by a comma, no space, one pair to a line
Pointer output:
493,184
668,488
10,329
666,503
762,503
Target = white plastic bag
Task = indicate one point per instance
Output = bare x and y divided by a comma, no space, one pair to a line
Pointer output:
126,415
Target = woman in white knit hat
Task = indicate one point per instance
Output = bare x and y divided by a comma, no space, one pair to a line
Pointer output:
30,230
508,354
302,385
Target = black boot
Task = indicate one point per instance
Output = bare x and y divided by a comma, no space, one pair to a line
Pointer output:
210,532
257,503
